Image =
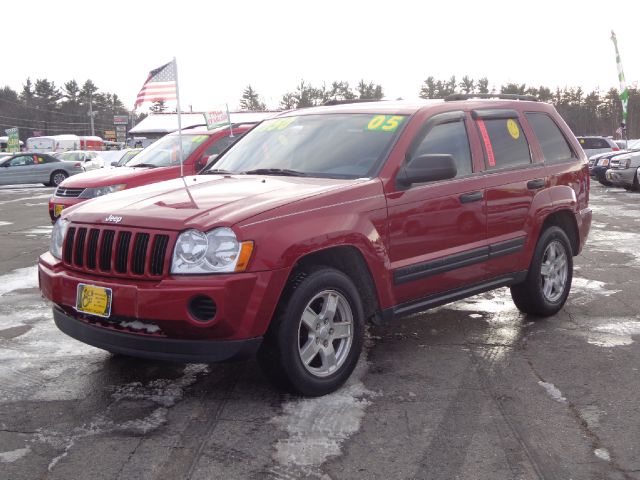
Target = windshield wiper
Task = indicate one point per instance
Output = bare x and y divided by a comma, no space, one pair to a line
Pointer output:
275,171
150,165
216,171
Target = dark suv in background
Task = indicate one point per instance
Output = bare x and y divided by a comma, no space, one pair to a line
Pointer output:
320,219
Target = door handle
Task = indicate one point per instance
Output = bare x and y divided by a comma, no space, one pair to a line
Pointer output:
536,184
471,197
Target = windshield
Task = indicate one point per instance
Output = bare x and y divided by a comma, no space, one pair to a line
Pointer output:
166,151
127,157
333,146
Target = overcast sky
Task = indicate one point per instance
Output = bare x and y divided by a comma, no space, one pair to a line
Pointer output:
221,47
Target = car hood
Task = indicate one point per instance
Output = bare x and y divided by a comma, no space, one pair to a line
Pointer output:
103,177
201,201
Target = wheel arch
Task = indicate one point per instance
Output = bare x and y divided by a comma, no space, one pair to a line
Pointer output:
347,259
566,220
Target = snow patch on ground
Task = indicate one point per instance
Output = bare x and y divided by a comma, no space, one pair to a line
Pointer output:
2,224
602,210
24,199
615,241
41,230
317,427
165,392
19,279
496,301
584,291
13,455
602,453
614,334
553,391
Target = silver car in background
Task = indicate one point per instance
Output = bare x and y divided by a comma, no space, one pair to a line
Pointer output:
23,168
593,145
90,159
623,171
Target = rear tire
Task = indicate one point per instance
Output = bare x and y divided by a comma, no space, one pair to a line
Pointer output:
546,288
57,178
635,187
316,335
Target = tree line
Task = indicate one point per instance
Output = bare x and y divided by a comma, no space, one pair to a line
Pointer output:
43,108
46,109
592,113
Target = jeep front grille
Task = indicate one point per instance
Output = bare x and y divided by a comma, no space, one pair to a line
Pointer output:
119,252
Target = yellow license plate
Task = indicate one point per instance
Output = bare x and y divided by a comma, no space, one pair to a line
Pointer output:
57,210
94,300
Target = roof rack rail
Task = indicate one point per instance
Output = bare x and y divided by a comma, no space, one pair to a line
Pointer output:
505,96
355,100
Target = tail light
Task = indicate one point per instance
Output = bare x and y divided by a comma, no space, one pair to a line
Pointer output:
615,149
77,164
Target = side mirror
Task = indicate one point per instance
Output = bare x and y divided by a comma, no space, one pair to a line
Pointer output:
427,168
205,161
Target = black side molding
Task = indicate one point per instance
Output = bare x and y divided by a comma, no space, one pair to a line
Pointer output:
458,260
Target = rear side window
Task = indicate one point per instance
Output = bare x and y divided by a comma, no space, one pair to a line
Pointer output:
448,138
554,145
505,145
592,143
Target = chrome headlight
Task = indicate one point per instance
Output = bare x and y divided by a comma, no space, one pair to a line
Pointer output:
99,191
57,237
216,251
603,162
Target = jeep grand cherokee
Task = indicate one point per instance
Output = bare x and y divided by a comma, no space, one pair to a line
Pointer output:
318,220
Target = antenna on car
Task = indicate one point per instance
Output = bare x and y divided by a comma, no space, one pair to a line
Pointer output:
504,96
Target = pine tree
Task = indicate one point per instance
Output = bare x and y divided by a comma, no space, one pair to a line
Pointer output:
251,101
370,91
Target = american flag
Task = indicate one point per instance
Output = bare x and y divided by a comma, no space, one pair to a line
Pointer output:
160,85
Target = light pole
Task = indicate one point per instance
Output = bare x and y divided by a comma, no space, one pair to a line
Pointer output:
91,114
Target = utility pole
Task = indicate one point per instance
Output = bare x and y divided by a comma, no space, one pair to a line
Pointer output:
93,132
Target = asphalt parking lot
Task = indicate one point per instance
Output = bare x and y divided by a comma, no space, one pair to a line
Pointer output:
472,390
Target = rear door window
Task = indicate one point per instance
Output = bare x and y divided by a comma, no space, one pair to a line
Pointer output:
555,147
505,145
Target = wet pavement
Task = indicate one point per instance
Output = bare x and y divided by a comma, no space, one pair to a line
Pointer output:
471,390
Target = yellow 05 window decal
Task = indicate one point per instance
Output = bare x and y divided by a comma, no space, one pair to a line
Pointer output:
278,124
385,123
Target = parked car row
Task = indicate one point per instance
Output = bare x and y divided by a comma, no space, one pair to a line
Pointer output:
601,163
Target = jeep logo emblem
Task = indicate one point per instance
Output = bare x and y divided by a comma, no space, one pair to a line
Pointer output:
113,219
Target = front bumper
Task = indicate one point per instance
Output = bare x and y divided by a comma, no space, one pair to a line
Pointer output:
599,173
621,177
155,348
61,203
244,302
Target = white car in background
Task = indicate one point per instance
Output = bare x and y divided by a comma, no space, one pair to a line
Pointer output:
91,160
592,145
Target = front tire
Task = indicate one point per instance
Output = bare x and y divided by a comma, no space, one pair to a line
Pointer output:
316,336
57,178
548,282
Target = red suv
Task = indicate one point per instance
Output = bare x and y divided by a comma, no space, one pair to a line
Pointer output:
318,220
158,162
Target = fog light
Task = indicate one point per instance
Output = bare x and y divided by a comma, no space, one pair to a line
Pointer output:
202,308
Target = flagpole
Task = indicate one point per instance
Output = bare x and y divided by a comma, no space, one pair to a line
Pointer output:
175,66
624,92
